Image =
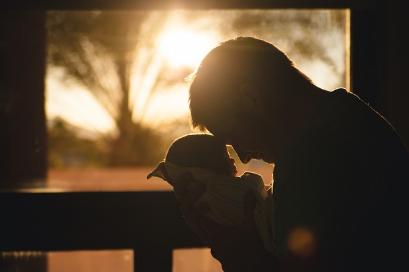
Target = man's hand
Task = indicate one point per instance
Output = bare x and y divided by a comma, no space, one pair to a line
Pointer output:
239,249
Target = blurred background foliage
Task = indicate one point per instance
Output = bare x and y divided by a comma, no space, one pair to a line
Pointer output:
68,149
96,50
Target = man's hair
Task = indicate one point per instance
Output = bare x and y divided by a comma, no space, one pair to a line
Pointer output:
194,150
235,62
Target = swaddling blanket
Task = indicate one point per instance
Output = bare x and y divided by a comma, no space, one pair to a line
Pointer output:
225,196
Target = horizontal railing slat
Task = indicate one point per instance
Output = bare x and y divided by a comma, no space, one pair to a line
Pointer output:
55,221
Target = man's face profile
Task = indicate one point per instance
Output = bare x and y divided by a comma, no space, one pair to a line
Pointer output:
244,138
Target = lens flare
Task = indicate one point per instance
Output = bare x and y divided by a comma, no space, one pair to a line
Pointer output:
301,242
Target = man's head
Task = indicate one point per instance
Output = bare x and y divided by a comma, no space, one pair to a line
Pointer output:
239,85
202,150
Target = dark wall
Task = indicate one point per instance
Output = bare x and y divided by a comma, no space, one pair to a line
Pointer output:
22,115
398,73
379,61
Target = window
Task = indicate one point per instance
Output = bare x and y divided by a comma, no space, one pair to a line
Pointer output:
116,95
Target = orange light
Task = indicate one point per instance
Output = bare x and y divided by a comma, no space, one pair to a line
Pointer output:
301,242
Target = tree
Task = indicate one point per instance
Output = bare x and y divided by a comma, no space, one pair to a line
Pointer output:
100,50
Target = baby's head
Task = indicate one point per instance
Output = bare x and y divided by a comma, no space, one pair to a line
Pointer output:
202,150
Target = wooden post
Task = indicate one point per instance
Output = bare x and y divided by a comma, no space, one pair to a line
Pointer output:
157,259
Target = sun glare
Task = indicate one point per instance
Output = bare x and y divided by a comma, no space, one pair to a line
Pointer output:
184,47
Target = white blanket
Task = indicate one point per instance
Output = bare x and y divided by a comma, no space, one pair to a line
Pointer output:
225,196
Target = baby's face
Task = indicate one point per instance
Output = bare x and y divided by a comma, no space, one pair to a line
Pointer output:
224,164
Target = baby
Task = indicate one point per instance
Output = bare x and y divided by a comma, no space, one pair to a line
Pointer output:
209,161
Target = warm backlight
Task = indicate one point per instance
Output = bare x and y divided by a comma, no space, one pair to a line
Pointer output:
184,47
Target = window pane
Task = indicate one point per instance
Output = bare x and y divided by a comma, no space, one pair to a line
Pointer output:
196,259
116,94
91,261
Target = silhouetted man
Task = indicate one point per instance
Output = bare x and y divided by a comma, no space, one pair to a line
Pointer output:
334,159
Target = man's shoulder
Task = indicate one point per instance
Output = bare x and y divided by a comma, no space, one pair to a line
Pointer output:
345,111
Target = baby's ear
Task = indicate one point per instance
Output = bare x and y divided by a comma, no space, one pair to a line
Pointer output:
251,98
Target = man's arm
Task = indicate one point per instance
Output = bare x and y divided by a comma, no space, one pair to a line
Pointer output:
238,250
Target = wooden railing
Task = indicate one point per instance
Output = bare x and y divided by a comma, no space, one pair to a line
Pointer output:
147,222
